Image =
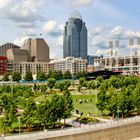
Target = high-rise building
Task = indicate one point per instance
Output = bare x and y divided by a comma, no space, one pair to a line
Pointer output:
75,37
38,49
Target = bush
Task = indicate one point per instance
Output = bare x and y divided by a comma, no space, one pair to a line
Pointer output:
86,120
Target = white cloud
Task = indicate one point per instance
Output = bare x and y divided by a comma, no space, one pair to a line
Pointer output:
4,3
52,55
20,12
117,31
102,52
74,3
52,28
98,41
130,34
97,31
60,41
19,41
30,32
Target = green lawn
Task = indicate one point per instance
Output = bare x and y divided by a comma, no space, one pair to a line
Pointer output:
88,104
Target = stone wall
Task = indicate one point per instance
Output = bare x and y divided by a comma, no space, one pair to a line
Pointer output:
124,132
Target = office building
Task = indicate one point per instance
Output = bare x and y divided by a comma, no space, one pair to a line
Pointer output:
38,49
75,37
16,54
5,47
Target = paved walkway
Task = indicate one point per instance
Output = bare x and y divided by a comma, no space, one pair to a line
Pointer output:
75,130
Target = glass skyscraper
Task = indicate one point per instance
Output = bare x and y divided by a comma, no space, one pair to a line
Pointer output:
75,37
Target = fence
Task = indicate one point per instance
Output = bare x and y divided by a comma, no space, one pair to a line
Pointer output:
75,130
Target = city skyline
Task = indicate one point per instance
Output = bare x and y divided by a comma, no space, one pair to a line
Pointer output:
104,19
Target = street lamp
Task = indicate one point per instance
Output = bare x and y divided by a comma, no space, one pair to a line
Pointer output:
118,112
19,125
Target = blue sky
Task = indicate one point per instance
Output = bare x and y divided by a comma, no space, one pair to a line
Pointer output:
105,19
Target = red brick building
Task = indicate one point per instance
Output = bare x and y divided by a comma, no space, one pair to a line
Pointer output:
3,65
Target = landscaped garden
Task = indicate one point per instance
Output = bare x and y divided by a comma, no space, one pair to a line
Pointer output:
43,106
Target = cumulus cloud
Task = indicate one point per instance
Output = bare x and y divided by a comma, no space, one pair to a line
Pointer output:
117,32
20,12
98,41
31,32
102,52
19,41
60,41
4,3
97,31
52,28
74,3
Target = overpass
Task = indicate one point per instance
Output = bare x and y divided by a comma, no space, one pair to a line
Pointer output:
122,129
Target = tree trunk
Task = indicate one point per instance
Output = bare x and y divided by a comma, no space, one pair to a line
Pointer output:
64,121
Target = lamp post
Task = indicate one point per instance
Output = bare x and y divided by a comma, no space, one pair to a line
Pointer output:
118,111
96,97
19,125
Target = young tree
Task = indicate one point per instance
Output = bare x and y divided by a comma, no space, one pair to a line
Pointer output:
102,101
51,82
55,112
5,77
125,102
41,76
29,114
136,98
28,76
43,112
63,85
80,74
67,105
16,76
67,75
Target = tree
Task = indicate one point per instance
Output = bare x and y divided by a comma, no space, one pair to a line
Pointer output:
41,76
136,98
8,104
125,102
67,105
59,75
67,75
82,82
16,76
5,77
102,100
63,85
29,114
55,112
51,82
53,74
28,76
112,104
80,74
43,112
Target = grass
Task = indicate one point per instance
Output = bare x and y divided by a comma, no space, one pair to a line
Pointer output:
88,99
88,104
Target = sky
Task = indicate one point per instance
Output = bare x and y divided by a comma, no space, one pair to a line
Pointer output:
105,20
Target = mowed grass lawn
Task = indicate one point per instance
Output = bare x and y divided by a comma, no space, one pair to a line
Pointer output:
88,104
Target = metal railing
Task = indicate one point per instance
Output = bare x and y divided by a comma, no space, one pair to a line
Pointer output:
83,128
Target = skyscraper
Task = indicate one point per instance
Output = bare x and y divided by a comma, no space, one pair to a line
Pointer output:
75,37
